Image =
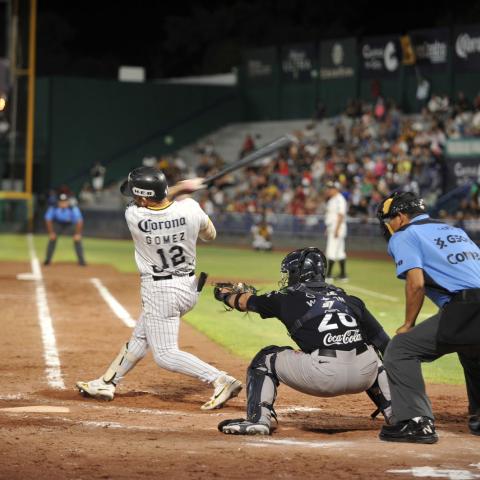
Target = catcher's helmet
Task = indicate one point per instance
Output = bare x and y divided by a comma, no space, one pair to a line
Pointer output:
304,265
398,202
146,182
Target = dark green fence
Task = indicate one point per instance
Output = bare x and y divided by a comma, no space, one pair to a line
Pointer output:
288,82
83,121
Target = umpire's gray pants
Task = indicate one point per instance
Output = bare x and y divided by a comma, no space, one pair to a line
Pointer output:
327,376
402,361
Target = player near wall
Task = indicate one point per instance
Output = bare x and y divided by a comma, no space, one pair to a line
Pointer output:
336,225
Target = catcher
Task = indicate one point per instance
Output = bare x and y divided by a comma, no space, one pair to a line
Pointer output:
336,333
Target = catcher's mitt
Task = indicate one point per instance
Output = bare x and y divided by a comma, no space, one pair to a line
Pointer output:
223,290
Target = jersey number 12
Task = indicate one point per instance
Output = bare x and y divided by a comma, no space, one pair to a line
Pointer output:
175,258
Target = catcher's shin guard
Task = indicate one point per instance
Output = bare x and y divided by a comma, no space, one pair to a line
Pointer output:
262,383
379,393
122,364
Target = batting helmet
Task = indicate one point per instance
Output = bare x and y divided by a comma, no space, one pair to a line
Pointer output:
398,202
304,265
146,182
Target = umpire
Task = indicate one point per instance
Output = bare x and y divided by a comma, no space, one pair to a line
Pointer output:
335,333
443,263
65,218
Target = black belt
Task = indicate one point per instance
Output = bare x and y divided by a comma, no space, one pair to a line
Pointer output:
169,277
469,295
329,352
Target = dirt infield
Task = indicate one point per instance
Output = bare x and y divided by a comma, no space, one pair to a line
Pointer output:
154,428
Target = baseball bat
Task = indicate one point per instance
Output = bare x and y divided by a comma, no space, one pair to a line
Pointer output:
261,152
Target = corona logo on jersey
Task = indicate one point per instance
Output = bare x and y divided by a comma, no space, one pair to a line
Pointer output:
147,225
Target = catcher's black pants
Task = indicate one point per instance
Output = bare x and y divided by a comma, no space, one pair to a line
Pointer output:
64,229
403,359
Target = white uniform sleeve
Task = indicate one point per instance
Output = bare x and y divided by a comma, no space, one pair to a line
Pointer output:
129,214
196,211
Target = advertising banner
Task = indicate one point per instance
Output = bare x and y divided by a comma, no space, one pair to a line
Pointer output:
463,161
337,58
380,56
431,48
298,62
260,63
466,48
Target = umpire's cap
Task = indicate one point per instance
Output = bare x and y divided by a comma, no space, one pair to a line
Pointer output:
146,182
304,265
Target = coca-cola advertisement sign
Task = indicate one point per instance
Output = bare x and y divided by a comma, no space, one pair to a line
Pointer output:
466,48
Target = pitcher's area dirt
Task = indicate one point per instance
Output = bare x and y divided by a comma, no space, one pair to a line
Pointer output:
154,427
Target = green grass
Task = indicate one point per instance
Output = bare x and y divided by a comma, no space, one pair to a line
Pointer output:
245,334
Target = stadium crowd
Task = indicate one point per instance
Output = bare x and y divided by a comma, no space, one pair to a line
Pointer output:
374,151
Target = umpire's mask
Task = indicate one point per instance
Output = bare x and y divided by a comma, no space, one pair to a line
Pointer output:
398,202
303,265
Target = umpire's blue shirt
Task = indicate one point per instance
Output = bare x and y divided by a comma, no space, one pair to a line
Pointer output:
449,259
67,215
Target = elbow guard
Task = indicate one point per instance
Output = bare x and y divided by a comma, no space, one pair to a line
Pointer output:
208,233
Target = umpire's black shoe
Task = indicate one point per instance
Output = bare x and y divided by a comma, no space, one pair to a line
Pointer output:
418,430
474,424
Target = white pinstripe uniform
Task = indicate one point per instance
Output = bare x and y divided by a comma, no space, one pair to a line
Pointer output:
335,249
165,240
165,246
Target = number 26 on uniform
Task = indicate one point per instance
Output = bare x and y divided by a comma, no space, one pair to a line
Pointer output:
344,318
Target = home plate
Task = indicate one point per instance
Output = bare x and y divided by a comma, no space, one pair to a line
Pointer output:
28,276
36,409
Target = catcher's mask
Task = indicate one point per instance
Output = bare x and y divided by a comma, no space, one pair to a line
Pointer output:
145,182
398,202
303,265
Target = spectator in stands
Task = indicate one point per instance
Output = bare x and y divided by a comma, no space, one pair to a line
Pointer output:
86,196
262,236
248,145
97,173
461,104
371,153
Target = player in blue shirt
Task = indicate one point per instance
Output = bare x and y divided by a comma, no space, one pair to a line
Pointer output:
441,262
65,218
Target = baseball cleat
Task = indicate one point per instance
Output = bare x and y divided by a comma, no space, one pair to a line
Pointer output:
226,387
415,430
97,389
474,424
240,426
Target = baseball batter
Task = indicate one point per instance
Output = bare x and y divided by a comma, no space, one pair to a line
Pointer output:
336,335
165,233
336,224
